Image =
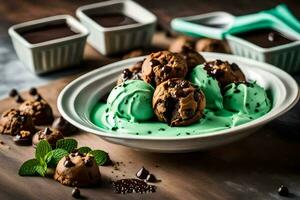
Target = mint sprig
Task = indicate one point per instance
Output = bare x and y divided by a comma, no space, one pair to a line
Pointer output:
46,158
67,144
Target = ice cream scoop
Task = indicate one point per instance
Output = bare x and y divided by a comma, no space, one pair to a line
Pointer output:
209,85
248,98
132,100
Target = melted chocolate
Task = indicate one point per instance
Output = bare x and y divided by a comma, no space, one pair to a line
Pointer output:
48,32
112,19
265,38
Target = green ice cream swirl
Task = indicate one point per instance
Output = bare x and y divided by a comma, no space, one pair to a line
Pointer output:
209,86
132,100
246,98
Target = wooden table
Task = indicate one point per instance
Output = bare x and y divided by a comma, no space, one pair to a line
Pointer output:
252,168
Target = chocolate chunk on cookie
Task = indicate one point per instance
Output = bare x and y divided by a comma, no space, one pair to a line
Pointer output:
77,169
224,72
163,65
178,102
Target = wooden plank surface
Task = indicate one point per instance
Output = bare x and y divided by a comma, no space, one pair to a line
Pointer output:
249,169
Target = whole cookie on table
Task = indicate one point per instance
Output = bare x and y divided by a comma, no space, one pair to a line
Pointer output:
163,65
134,72
51,135
13,121
224,72
178,102
38,109
186,47
210,45
78,170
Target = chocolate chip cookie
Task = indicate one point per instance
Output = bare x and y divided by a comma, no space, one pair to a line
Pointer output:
178,102
224,72
77,169
50,134
13,121
163,65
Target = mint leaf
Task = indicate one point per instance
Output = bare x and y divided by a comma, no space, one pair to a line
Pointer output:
66,144
41,169
48,156
29,168
57,155
84,149
101,157
43,147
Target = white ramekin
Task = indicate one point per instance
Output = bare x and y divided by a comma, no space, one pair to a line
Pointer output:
111,40
50,55
286,57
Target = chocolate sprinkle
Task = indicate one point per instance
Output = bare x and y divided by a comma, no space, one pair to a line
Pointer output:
124,186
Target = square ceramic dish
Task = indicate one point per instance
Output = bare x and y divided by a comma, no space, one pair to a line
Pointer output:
53,54
286,57
110,40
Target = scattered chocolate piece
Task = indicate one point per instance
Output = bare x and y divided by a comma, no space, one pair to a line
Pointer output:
142,173
283,191
64,126
124,186
151,178
23,138
33,91
76,193
13,93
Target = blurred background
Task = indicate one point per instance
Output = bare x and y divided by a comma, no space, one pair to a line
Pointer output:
15,75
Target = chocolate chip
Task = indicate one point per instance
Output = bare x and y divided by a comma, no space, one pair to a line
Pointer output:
283,191
68,163
166,69
76,193
180,93
33,91
171,84
219,62
47,131
19,99
126,74
151,178
142,173
88,162
154,63
234,67
13,93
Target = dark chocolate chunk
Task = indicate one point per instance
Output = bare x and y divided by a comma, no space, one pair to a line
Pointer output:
76,193
19,99
283,191
23,138
142,173
13,93
151,178
88,162
47,131
33,91
68,163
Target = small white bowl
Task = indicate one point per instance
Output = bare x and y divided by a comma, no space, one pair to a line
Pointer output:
111,40
53,54
286,57
78,98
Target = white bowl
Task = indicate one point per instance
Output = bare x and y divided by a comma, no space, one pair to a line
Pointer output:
111,40
53,54
77,99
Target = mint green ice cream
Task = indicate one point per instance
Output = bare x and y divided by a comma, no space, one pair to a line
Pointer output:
129,111
209,86
246,98
131,100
